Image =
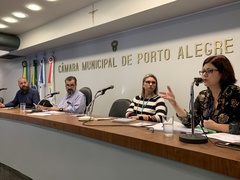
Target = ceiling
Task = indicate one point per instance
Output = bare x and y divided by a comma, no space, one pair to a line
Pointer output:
56,10
50,12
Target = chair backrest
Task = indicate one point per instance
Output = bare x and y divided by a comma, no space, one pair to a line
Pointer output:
45,103
119,107
88,94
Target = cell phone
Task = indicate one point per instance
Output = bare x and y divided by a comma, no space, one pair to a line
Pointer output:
230,145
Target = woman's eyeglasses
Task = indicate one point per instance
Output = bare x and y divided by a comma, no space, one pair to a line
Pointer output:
148,82
208,71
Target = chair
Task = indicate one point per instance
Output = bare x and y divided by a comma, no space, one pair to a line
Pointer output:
88,94
119,108
1,100
45,103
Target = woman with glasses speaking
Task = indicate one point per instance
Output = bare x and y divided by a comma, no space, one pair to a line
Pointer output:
217,107
148,106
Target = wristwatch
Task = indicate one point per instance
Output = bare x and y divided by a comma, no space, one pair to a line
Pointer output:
60,109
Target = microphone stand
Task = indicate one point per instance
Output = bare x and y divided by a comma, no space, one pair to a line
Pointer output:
89,108
193,138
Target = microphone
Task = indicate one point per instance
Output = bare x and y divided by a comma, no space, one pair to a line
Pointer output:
3,89
193,138
54,93
198,80
89,108
105,89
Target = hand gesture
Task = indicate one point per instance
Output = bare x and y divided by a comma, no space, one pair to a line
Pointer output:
169,96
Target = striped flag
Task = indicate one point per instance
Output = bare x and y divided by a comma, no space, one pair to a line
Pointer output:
41,79
34,75
51,77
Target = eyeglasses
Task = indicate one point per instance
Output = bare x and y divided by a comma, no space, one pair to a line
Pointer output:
70,85
148,82
208,71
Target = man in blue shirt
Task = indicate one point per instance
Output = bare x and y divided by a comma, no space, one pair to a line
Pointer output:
24,95
73,101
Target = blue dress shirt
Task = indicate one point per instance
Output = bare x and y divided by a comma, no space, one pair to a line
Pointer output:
75,103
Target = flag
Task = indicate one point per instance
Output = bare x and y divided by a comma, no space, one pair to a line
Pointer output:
41,79
25,69
34,75
51,77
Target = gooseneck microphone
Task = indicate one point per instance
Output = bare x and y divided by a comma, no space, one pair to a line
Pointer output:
98,93
105,89
89,108
198,80
54,93
3,89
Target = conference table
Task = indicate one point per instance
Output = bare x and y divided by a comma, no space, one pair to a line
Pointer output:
59,146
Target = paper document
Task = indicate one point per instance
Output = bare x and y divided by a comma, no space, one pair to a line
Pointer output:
177,126
124,120
225,137
45,113
103,118
141,124
39,114
8,108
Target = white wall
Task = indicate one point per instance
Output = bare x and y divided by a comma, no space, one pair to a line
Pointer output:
207,27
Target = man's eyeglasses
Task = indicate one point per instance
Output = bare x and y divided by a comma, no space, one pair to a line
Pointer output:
69,85
148,82
208,71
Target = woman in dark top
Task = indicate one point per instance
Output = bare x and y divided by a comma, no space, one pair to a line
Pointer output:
217,107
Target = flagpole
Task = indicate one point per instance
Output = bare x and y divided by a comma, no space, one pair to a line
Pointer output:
42,79
51,82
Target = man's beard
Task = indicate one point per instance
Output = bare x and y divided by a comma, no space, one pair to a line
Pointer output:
70,91
24,88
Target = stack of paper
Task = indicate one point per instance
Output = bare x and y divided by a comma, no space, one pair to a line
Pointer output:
123,120
177,126
225,137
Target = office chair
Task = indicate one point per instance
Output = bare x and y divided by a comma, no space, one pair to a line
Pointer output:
119,108
88,94
45,103
1,100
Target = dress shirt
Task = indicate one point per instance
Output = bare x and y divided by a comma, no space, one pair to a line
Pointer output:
30,97
74,103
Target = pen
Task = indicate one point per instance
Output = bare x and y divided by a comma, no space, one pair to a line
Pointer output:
35,105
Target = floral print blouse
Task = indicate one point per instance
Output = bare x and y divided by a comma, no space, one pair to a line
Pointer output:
227,111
